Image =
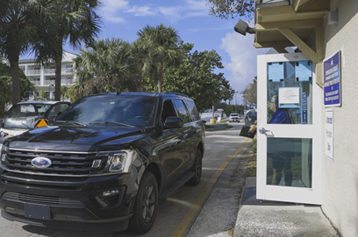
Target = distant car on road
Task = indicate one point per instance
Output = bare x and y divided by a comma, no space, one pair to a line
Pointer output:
234,117
23,116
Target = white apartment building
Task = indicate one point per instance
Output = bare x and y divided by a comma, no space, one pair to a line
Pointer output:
43,77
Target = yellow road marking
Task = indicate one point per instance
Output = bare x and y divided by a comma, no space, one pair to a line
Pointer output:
181,227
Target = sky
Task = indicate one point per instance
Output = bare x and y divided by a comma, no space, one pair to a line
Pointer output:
123,19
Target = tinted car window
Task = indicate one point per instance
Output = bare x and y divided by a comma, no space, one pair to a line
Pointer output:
193,111
24,115
168,110
182,112
136,111
57,109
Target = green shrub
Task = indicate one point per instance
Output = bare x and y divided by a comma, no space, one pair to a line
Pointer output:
254,145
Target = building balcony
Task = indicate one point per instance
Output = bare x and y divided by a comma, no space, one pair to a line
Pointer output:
49,71
33,72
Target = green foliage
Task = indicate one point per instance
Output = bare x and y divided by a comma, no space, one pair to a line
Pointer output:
160,49
26,87
106,65
195,76
18,25
156,61
64,90
74,22
250,94
43,95
254,145
234,109
226,9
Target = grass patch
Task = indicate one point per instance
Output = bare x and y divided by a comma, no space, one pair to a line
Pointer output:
251,167
222,123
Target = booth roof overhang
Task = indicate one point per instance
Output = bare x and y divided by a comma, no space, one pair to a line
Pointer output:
292,23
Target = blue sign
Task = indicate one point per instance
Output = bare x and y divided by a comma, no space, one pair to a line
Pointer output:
304,108
332,80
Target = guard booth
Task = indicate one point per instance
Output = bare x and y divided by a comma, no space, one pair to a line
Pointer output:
289,126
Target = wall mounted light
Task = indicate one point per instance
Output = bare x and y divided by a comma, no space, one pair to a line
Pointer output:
242,27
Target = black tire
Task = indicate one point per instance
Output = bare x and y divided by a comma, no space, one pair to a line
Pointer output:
197,168
146,204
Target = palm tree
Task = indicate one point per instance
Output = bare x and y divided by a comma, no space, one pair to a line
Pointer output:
159,44
17,30
107,65
3,7
75,22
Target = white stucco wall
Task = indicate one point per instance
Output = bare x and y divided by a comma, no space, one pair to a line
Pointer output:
340,177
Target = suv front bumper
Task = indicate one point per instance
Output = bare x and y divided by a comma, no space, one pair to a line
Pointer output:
83,208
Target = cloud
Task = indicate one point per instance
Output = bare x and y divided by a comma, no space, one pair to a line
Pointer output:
190,8
243,55
113,10
142,11
109,10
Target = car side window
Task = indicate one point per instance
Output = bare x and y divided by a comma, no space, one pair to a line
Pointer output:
168,110
193,111
182,111
57,108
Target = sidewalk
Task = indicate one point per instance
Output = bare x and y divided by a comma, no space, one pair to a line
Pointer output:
267,218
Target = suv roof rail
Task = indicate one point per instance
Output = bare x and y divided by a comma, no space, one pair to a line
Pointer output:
175,93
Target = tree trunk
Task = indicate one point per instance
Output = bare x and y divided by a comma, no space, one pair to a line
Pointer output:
58,61
14,67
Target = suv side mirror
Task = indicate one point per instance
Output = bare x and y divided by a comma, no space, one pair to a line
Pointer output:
173,122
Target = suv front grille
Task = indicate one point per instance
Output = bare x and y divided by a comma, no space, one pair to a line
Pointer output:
63,163
38,199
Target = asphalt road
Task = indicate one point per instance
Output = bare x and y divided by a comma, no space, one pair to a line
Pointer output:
209,209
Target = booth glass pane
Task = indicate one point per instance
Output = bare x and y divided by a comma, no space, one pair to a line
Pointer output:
289,92
289,162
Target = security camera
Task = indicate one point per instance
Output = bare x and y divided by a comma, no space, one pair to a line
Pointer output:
242,27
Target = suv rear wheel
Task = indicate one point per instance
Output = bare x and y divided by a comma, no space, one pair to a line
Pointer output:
145,207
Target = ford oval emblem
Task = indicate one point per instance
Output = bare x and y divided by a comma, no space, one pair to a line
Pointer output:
41,162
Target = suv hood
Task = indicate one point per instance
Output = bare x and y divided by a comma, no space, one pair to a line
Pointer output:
75,138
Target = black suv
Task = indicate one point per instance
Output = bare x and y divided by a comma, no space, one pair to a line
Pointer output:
103,164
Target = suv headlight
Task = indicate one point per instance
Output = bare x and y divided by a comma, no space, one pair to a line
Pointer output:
118,161
4,150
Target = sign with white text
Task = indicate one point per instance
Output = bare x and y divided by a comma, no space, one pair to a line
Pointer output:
329,134
332,80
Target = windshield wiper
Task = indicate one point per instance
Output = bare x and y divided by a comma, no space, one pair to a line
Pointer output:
70,121
110,122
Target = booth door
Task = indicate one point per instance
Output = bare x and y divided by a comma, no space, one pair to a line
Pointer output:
289,129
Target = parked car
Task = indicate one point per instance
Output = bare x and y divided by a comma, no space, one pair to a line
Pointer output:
250,117
24,115
234,117
103,164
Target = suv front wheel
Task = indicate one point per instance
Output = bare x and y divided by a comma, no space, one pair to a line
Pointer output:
145,207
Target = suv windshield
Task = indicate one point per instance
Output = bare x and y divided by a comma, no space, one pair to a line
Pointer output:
24,116
112,110
234,114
